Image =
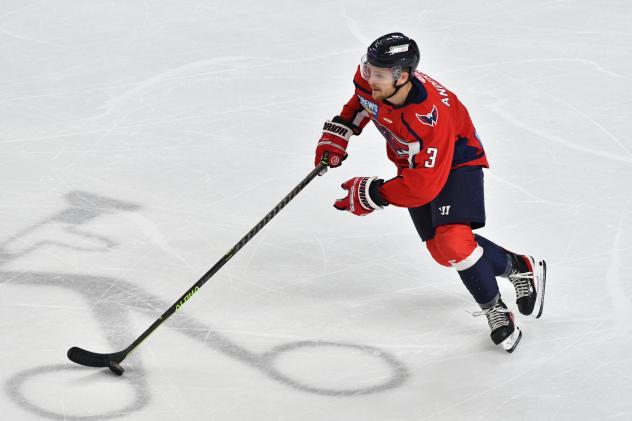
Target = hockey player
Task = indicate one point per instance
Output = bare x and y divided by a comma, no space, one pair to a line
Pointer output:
439,158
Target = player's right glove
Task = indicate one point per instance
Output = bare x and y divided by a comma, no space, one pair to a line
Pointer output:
362,197
334,140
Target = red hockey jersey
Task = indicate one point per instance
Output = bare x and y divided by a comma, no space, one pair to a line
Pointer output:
426,137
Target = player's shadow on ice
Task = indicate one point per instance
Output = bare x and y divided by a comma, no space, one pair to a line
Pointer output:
112,299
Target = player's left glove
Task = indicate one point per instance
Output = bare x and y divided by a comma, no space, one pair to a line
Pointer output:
362,196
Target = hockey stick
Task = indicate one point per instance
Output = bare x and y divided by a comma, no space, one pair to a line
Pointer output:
113,360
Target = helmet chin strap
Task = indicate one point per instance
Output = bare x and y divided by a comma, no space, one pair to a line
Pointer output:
397,88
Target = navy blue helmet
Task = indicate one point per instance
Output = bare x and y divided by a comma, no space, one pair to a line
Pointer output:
395,51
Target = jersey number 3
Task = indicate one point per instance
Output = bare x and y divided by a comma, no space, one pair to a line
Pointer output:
432,157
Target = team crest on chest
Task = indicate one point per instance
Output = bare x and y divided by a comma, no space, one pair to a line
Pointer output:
429,119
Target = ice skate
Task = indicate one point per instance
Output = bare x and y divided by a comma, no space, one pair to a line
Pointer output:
501,323
528,277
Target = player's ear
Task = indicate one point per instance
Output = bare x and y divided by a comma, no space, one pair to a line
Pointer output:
403,77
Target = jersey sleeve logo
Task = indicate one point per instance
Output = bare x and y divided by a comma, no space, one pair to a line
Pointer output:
431,118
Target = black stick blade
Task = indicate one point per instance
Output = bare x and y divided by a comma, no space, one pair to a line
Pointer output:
116,368
94,359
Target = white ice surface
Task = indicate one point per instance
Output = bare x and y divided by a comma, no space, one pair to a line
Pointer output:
139,140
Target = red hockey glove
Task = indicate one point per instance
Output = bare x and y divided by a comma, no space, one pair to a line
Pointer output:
362,196
334,140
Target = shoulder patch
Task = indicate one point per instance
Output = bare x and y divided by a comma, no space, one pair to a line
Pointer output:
370,106
429,119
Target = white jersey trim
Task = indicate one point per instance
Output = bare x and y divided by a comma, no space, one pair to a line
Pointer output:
360,117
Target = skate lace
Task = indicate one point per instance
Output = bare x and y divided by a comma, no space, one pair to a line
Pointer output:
496,316
522,284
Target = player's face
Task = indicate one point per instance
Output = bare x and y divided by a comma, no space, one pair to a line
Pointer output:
381,82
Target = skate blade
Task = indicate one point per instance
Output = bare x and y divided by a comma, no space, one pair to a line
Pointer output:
511,342
539,272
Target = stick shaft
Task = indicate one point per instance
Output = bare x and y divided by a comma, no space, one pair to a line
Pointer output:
229,255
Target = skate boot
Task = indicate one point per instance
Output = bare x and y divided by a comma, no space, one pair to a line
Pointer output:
528,277
501,322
